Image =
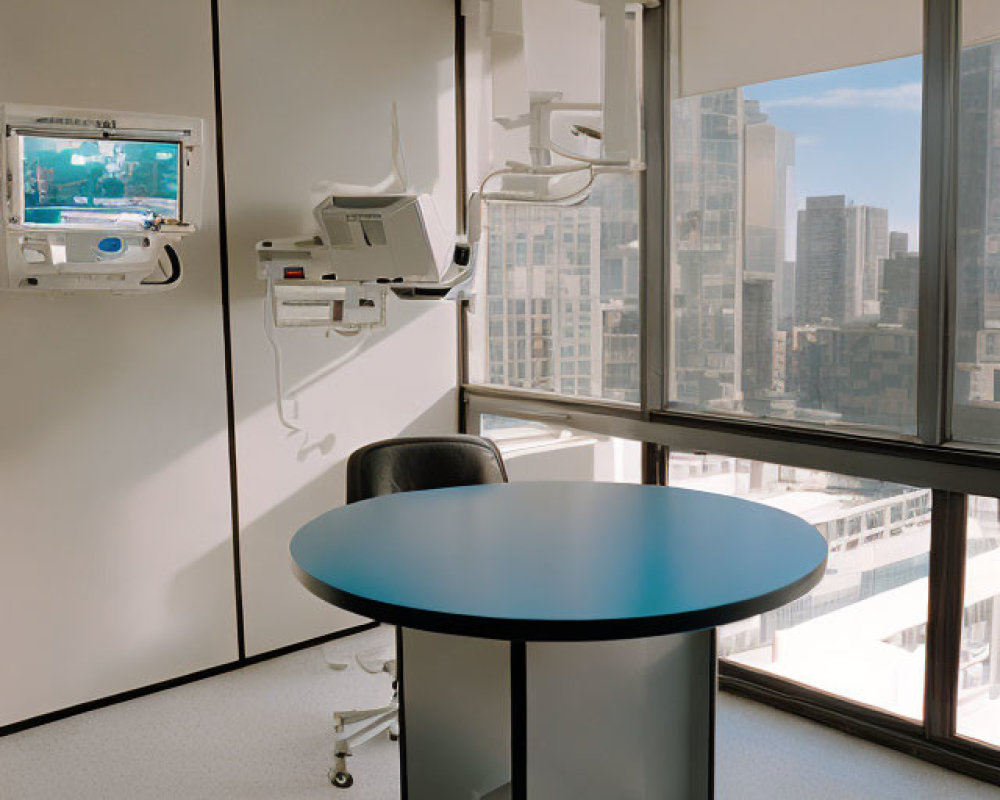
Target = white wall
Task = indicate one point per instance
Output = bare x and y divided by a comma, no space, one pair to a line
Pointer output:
116,564
307,87
115,526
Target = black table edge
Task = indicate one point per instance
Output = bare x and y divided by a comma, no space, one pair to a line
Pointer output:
537,630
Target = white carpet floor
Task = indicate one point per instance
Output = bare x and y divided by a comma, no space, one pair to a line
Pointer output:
264,733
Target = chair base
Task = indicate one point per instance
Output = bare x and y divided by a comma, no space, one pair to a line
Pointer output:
346,724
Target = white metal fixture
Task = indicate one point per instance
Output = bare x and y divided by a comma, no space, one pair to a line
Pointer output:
372,241
369,245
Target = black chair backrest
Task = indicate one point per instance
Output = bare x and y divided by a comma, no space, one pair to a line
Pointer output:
422,462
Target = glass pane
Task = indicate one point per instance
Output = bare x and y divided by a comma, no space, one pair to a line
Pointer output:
979,665
560,307
794,231
977,340
556,149
91,182
539,451
861,632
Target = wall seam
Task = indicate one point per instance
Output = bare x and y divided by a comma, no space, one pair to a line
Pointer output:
227,337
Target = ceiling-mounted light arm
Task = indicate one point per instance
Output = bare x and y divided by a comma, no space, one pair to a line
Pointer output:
619,92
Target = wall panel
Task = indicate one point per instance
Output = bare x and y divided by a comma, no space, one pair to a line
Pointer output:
307,87
115,534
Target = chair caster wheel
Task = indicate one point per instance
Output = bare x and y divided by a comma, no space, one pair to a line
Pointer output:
342,780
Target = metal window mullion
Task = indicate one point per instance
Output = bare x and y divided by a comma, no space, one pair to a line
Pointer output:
938,197
654,464
461,209
894,461
945,601
653,209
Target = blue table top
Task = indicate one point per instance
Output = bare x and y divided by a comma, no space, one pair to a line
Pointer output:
558,561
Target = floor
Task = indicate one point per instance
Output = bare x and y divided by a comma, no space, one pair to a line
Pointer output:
263,732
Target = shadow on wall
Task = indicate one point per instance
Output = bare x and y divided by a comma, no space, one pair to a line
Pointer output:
269,534
306,99
358,365
184,626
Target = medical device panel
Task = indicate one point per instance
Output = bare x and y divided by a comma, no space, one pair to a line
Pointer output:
96,201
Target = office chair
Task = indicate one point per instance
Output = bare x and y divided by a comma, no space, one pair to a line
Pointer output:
405,465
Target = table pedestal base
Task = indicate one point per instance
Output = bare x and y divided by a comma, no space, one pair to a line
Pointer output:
630,720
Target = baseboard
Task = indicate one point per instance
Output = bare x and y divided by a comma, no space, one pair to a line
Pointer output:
172,683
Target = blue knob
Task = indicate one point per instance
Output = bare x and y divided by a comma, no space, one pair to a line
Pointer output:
111,244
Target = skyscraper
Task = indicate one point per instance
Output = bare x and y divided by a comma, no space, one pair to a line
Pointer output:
874,223
758,340
900,289
784,292
707,142
978,223
543,310
769,194
732,185
898,242
839,248
862,373
562,294
617,197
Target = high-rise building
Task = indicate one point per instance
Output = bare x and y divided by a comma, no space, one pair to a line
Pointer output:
769,193
839,249
874,248
543,310
617,197
978,224
562,294
898,242
707,174
900,289
732,186
758,341
784,292
861,373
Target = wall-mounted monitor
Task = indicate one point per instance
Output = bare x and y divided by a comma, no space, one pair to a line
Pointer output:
99,183
96,200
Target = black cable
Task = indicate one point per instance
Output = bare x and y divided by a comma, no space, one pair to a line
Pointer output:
175,268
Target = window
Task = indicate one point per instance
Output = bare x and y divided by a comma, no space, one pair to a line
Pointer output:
590,266
539,451
794,229
790,302
583,254
979,661
861,632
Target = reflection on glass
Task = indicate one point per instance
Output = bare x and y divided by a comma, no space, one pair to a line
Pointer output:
977,340
540,451
562,294
979,664
861,632
91,181
794,278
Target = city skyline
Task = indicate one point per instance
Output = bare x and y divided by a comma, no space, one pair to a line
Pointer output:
857,134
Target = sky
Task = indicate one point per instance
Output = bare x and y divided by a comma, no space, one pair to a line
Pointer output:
857,133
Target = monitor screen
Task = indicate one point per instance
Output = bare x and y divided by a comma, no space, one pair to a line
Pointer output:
99,182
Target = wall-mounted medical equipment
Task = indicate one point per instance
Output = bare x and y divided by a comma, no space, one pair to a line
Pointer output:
96,200
373,241
369,245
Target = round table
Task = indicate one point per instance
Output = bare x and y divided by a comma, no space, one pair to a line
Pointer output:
557,639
